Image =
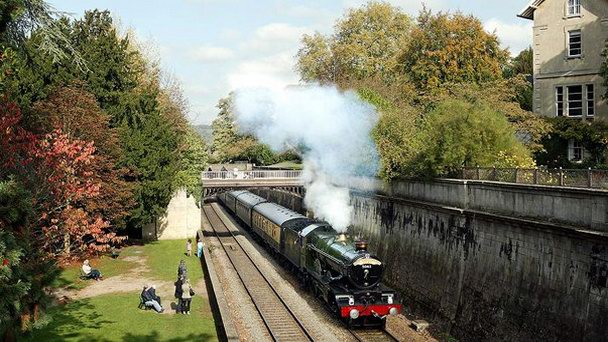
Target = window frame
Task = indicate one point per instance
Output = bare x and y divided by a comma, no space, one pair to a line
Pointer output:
590,101
576,5
587,100
575,146
580,43
559,111
581,101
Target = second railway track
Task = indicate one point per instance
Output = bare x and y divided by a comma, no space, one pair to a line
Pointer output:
281,322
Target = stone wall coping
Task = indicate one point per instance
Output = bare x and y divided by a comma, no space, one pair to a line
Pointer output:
520,186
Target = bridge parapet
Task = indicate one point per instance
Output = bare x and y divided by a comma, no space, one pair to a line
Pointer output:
218,181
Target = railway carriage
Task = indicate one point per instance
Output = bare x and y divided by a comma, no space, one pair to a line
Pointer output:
230,199
245,204
338,268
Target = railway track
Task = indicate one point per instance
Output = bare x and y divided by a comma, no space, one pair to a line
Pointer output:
372,335
280,321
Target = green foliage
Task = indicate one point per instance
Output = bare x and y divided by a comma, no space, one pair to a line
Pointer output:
24,273
458,133
192,163
523,66
230,145
224,130
592,135
150,150
365,44
454,48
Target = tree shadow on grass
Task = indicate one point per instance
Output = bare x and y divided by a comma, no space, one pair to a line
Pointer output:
67,322
154,336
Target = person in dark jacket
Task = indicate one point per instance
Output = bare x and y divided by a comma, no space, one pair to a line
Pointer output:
149,298
181,269
152,294
178,294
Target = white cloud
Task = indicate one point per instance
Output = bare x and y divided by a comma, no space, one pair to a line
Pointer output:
514,36
275,37
409,6
211,54
269,71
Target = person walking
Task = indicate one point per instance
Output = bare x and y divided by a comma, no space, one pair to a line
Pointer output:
187,293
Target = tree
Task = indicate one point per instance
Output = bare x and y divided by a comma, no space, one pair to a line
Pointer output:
593,136
455,48
151,151
228,144
522,66
18,18
459,133
76,112
192,163
395,135
315,61
501,95
366,43
224,130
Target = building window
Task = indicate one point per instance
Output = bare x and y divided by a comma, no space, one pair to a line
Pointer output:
575,100
559,100
575,48
590,100
574,8
576,152
570,100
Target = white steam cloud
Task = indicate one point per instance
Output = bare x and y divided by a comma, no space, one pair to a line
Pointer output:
331,129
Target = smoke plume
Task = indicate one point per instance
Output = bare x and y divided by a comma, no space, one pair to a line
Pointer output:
331,130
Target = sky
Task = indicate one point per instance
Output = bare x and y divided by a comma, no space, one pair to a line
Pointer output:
215,46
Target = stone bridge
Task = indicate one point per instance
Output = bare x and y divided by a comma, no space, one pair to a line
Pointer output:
218,181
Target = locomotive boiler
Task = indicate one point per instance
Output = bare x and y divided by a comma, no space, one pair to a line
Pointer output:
337,268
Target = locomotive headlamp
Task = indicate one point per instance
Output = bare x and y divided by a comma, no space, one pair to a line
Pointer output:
354,313
393,311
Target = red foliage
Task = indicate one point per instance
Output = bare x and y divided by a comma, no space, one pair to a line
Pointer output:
60,173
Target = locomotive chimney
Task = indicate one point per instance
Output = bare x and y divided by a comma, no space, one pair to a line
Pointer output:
361,245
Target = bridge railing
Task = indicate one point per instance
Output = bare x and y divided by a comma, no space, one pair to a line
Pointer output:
254,174
576,178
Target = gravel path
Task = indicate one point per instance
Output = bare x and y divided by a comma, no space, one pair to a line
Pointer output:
130,282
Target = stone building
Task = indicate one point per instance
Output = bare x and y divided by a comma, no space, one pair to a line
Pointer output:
569,36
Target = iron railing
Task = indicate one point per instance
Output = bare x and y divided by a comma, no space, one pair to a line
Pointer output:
257,174
576,178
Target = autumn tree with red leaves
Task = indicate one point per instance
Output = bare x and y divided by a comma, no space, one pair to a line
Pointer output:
76,112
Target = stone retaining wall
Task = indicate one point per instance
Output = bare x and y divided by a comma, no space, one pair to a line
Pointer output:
490,261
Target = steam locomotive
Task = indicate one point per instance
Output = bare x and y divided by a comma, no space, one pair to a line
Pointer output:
339,269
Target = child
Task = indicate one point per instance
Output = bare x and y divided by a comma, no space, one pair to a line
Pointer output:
189,247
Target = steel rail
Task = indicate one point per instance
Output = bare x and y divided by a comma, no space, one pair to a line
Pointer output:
276,322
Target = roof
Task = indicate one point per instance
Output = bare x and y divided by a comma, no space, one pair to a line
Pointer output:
276,213
528,11
249,199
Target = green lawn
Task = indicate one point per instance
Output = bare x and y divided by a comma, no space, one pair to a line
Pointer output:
70,275
115,317
164,256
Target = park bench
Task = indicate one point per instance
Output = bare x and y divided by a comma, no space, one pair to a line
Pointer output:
142,304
